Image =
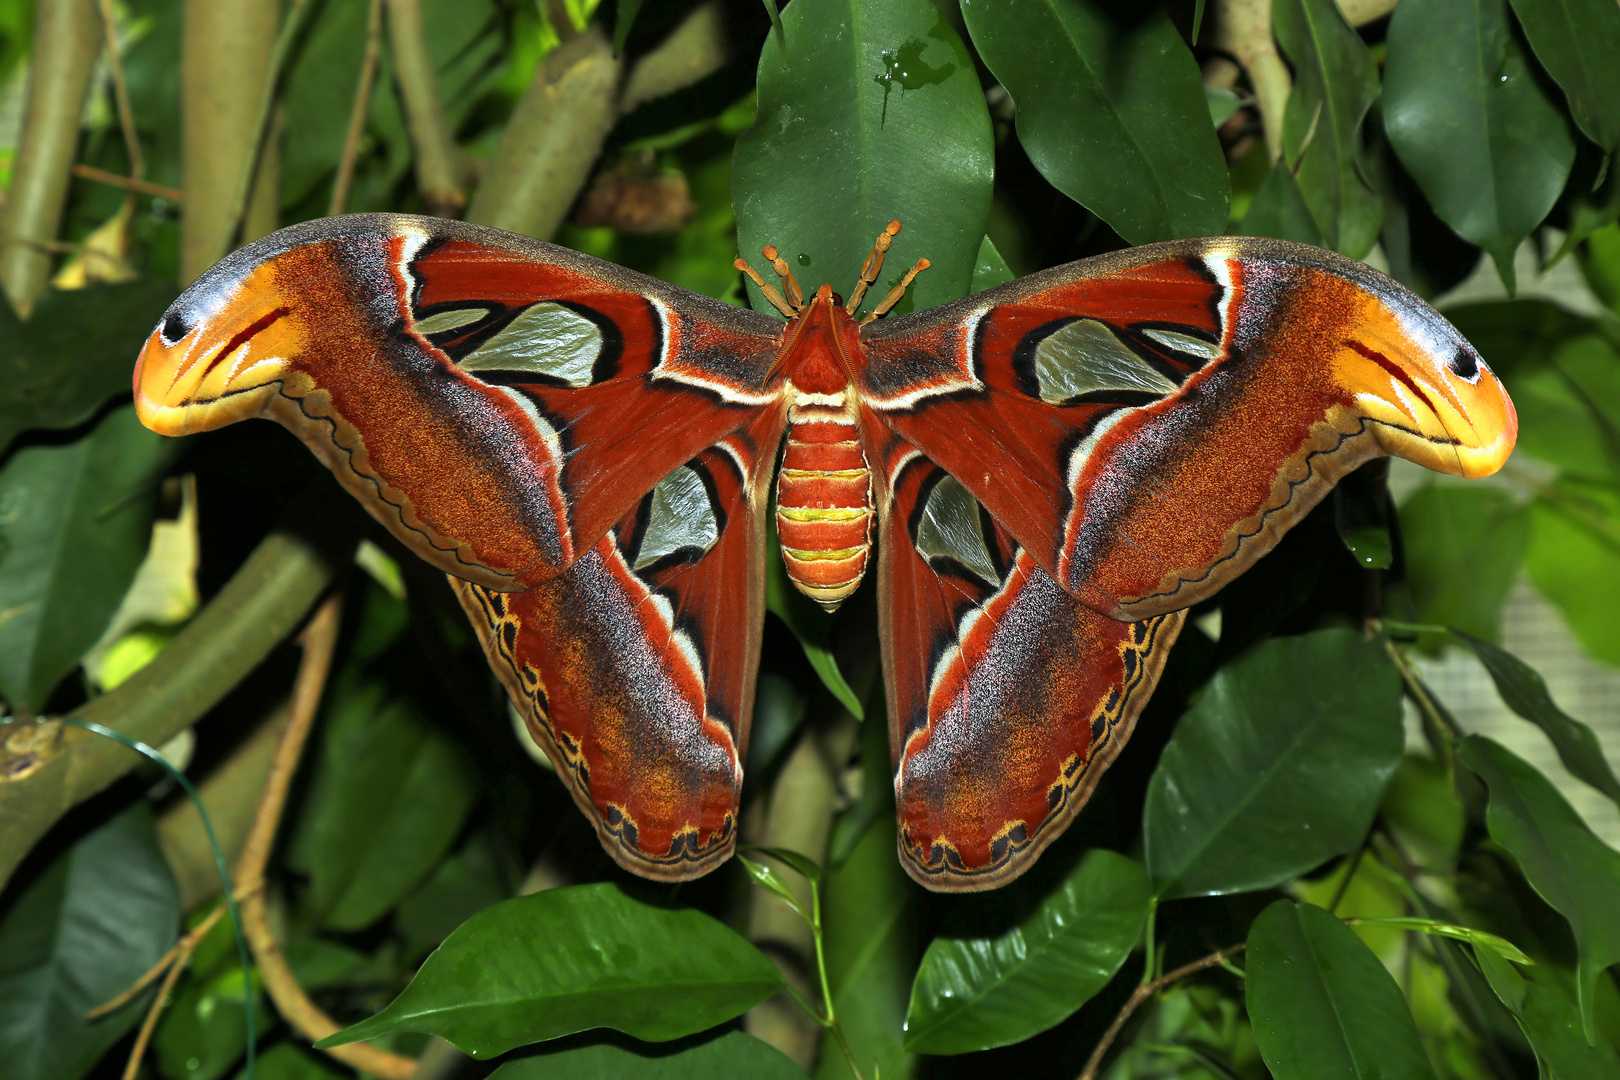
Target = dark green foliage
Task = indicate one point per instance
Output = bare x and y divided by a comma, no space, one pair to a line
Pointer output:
1269,797
77,937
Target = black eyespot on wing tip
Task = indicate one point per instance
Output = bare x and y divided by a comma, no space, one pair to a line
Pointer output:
1464,363
174,326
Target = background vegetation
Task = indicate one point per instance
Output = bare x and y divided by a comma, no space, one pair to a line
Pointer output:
1275,878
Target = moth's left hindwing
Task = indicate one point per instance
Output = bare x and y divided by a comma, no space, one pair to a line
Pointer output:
635,669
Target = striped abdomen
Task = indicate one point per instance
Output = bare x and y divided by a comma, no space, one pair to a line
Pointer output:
824,504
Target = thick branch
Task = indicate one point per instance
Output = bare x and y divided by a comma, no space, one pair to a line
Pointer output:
67,36
46,769
695,50
1243,28
553,139
294,1005
225,62
438,166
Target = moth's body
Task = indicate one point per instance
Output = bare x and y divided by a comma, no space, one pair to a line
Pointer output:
1046,475
824,510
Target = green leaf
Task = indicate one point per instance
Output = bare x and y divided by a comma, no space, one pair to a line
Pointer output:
1554,1029
1276,768
868,909
1564,862
623,19
803,865
1279,209
389,797
1464,547
204,1030
460,887
1574,561
733,1054
565,960
1111,110
80,934
873,112
766,878
976,991
1470,123
778,712
1361,518
75,523
990,269
74,355
1525,692
1335,83
1477,938
1578,41
1322,1005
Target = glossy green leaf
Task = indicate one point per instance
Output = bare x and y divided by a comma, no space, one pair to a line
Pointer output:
1361,518
1322,1005
1468,119
990,269
78,936
389,797
733,1054
1578,41
868,909
1335,83
75,523
1554,1029
1571,412
1277,767
1525,692
976,991
873,112
75,353
1279,209
1464,547
1111,110
1574,871
1549,1022
571,959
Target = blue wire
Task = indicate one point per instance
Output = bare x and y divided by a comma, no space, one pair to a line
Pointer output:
219,864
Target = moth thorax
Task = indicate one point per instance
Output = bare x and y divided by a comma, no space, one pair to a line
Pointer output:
824,504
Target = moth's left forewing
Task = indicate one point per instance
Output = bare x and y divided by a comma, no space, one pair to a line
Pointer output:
1008,698
1149,423
635,669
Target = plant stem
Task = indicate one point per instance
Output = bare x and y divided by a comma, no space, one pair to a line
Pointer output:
260,128
1419,693
320,639
1243,28
437,160
126,115
357,113
66,40
1145,991
129,183
1147,937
